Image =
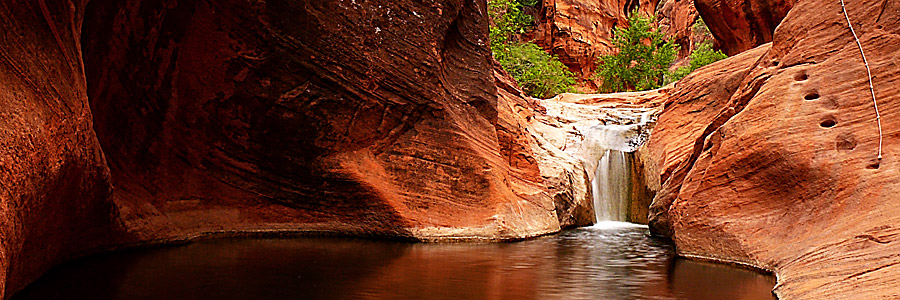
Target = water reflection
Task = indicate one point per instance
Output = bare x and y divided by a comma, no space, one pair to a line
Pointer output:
602,262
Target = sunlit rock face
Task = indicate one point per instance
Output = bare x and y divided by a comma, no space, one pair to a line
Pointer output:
682,23
374,118
776,166
134,122
580,31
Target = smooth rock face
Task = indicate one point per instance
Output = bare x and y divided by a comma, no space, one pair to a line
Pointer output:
300,116
742,25
784,175
563,175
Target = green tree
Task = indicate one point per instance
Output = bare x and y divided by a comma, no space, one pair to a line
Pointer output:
642,60
703,55
539,74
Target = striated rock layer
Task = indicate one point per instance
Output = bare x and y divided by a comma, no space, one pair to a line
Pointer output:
775,166
297,115
223,117
677,18
580,31
54,182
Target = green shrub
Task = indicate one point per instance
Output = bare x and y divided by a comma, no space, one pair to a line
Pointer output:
703,55
643,58
700,27
540,74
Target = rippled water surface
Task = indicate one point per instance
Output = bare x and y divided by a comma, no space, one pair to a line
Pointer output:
608,261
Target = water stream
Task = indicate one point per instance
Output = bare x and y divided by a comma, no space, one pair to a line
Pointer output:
604,151
611,188
611,260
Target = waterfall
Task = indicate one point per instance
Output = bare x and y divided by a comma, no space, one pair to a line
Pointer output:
605,149
611,187
603,136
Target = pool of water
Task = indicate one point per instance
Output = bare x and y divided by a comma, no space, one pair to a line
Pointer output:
607,261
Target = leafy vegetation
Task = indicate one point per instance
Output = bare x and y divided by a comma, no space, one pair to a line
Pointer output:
700,28
507,20
643,58
703,55
539,74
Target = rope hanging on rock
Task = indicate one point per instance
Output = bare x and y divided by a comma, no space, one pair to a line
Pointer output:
871,87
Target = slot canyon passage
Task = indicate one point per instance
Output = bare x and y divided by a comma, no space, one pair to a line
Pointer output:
136,123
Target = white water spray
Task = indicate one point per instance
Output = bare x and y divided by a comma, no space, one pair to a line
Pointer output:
611,187
604,150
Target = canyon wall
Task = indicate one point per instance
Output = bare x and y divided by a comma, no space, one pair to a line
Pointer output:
741,25
777,167
300,115
189,119
54,183
579,31
133,122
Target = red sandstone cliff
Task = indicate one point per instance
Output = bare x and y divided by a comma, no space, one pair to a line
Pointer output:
741,25
194,118
579,32
54,182
777,166
233,116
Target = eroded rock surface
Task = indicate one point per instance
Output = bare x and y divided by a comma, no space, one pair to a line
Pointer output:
583,129
782,173
677,18
54,183
742,25
250,116
226,117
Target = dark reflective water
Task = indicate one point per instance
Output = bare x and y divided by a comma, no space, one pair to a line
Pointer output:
611,262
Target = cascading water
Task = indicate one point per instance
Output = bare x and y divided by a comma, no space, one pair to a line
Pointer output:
605,149
611,188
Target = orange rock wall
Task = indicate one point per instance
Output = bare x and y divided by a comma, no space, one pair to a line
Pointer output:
784,175
187,119
742,25
579,31
54,183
